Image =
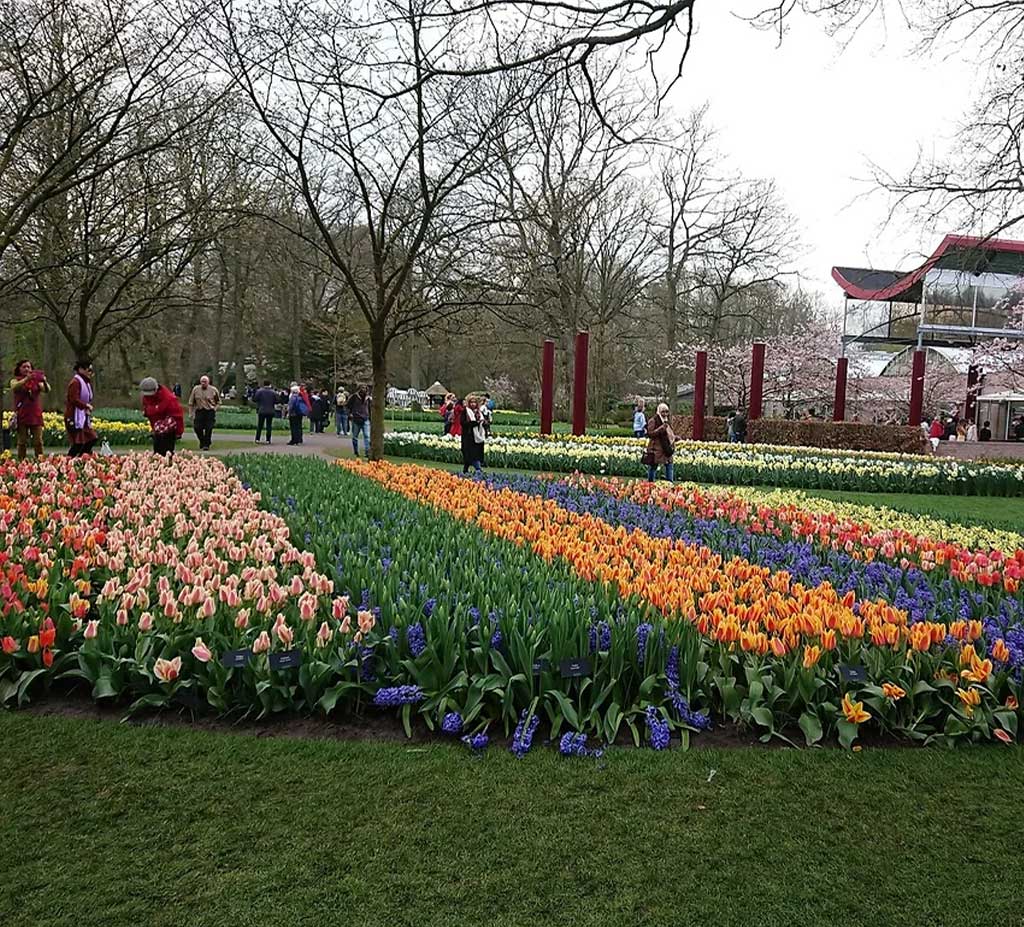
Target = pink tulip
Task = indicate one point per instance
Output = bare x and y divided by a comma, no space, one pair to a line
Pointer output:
366,621
284,634
262,643
324,635
167,670
91,630
296,587
307,607
339,608
242,619
346,624
201,652
209,607
10,645
145,621
122,617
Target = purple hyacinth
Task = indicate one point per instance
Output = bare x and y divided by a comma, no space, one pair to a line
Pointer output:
477,741
658,731
429,606
452,723
522,739
575,744
392,696
416,639
643,631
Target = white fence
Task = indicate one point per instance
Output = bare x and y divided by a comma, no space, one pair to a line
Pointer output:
403,398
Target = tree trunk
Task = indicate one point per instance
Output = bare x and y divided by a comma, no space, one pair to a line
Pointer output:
378,353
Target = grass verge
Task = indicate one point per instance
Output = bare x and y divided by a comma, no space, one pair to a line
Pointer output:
115,825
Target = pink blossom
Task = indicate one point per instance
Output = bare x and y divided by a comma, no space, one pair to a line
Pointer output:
366,621
262,643
145,621
91,630
284,634
201,652
339,608
324,635
167,670
242,619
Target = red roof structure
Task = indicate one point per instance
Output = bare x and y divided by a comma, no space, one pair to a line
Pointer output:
957,252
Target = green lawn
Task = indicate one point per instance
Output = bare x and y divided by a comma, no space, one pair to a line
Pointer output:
116,826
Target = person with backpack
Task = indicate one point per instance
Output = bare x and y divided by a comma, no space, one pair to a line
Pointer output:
297,411
359,418
661,444
27,386
341,412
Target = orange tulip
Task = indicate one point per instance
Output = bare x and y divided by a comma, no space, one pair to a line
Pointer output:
854,711
980,671
828,640
812,655
893,691
971,699
1000,651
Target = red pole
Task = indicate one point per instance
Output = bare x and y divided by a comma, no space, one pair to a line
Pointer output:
700,385
917,388
839,413
547,387
579,384
756,382
972,392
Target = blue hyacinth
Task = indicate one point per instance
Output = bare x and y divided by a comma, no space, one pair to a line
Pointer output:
416,639
392,696
575,744
477,741
643,631
429,606
452,723
522,739
658,731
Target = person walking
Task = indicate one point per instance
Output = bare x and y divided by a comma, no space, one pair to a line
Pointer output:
27,386
457,409
936,433
472,434
639,419
972,433
341,412
730,429
265,400
78,410
661,444
297,409
359,417
166,419
203,402
447,409
486,416
985,434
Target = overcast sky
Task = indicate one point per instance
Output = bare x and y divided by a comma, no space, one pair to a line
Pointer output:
814,114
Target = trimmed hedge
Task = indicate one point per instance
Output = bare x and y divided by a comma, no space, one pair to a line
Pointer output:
853,436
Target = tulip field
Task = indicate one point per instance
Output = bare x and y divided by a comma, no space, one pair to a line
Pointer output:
578,611
503,700
730,464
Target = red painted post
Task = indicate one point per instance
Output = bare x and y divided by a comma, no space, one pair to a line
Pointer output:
972,393
839,412
917,388
547,388
700,386
756,382
579,384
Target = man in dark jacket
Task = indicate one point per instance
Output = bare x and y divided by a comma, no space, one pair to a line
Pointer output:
359,419
265,400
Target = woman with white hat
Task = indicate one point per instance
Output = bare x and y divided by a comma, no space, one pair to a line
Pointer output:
166,420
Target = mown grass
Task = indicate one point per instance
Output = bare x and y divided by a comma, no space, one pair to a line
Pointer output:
116,826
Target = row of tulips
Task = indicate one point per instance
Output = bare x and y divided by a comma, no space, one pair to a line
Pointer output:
731,464
116,433
772,652
940,593
138,576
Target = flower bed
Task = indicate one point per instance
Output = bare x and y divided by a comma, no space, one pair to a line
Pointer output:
478,607
115,433
732,464
775,651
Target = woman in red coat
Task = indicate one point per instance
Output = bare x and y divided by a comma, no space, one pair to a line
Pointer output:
163,410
